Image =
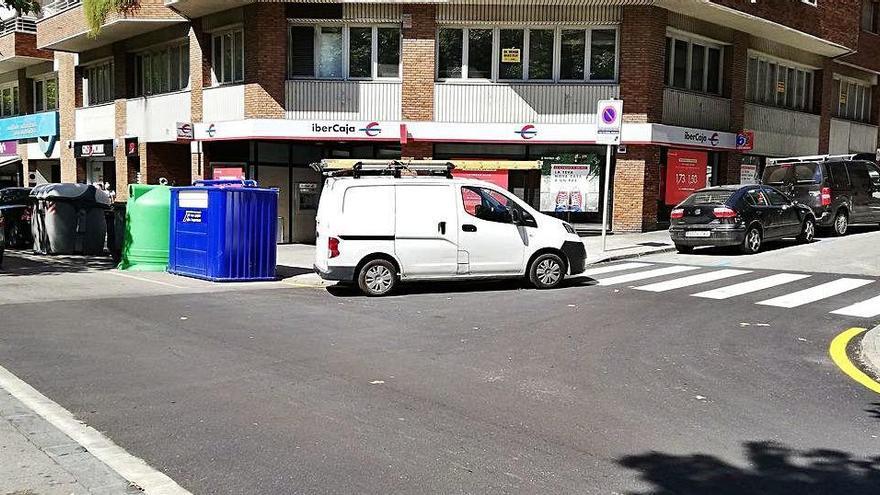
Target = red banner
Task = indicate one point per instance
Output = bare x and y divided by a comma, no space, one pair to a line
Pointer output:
685,173
497,177
228,173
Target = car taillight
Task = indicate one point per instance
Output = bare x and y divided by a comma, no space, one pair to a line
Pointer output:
826,196
724,213
332,247
676,214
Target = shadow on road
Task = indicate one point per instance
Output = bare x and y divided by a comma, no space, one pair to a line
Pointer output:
351,290
283,271
23,263
773,469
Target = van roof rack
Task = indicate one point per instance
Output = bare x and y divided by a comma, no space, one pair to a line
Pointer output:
824,158
393,168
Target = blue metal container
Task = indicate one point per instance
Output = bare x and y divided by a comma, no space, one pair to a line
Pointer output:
223,230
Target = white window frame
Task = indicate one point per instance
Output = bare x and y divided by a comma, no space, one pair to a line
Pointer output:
807,98
45,78
864,90
346,51
88,83
691,40
220,33
179,44
556,62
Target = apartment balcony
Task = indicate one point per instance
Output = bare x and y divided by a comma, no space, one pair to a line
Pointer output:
782,132
702,111
343,100
852,137
199,8
18,44
520,102
153,119
63,25
223,103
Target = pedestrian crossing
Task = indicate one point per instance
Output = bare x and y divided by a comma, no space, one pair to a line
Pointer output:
788,290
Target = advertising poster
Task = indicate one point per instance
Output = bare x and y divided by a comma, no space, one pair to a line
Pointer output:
571,188
228,173
685,173
748,174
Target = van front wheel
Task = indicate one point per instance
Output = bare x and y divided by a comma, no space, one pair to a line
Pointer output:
547,271
377,278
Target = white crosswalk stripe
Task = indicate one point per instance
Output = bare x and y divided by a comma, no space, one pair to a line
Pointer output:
864,309
642,275
816,293
752,286
701,278
613,268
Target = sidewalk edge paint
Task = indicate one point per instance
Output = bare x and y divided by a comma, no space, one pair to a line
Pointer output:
837,350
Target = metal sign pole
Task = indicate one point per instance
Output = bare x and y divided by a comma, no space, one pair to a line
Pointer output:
605,197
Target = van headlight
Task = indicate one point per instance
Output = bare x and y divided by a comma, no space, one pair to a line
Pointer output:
569,228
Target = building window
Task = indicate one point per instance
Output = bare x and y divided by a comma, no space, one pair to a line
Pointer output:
344,52
854,100
162,70
99,83
871,16
9,100
228,50
779,83
693,65
517,54
46,93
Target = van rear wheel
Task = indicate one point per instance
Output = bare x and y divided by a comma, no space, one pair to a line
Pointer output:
377,278
547,271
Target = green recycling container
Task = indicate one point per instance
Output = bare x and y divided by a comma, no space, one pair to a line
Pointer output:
145,246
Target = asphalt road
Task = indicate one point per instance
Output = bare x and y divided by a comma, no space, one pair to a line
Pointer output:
462,389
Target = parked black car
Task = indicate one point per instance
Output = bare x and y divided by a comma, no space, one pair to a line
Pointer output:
841,190
744,216
15,216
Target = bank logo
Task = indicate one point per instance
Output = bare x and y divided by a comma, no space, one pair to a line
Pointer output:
372,129
212,130
527,132
713,140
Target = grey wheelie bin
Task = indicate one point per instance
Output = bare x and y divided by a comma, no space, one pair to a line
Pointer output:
69,219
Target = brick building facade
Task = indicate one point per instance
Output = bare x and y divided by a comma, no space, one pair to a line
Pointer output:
274,86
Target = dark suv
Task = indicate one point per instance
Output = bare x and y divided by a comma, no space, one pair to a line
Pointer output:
841,190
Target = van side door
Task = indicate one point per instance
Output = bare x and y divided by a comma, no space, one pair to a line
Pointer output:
426,232
861,192
490,241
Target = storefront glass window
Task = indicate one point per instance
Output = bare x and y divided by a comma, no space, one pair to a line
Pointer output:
603,54
572,55
449,61
479,54
511,54
541,54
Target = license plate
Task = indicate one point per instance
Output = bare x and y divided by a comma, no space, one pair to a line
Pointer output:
698,233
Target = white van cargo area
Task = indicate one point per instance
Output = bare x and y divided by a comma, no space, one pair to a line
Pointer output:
380,224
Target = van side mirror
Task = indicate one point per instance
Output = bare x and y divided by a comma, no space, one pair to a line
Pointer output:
515,216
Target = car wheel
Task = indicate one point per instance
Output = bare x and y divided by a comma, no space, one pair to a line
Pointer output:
547,271
681,248
377,278
841,223
753,241
808,232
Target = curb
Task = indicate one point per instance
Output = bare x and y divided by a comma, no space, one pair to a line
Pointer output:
632,255
870,350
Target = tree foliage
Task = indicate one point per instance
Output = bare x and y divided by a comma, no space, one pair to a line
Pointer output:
23,6
96,11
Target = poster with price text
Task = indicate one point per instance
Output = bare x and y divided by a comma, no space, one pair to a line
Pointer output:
685,173
571,188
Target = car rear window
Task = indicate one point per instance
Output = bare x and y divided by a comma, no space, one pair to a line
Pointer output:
808,173
775,174
708,198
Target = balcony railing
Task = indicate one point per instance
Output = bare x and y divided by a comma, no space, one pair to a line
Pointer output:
18,24
57,6
689,109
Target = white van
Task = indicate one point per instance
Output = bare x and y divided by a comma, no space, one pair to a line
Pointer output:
382,228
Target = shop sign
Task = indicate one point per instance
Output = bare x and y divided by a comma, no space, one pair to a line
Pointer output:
748,174
510,55
94,149
684,136
745,140
185,131
32,126
571,188
131,146
780,86
609,118
685,173
8,148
